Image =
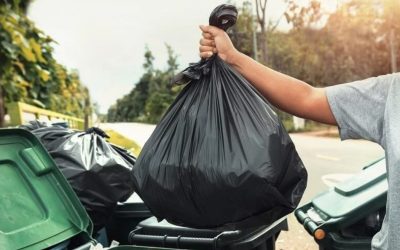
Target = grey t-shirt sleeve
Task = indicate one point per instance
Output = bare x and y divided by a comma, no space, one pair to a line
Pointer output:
359,107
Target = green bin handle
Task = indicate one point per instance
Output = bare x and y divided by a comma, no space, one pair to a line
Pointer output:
306,221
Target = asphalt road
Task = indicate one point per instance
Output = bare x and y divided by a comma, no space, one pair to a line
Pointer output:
328,161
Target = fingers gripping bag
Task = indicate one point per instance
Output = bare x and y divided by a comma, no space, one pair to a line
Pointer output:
220,156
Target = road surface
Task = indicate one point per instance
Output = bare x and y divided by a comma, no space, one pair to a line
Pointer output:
328,160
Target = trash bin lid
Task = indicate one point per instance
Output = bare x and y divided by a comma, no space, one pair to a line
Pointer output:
38,208
362,190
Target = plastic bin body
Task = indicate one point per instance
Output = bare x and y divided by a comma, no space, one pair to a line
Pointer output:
350,213
150,232
125,218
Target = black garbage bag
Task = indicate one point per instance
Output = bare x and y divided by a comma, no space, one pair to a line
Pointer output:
45,132
98,171
220,157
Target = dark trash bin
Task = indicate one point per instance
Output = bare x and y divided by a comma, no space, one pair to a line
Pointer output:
152,233
351,213
126,217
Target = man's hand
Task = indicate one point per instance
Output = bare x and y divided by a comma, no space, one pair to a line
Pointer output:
216,40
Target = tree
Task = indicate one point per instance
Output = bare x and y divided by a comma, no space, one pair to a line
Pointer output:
28,71
88,108
360,38
349,46
303,16
172,62
161,95
242,32
391,28
134,104
351,43
261,6
2,109
151,96
21,5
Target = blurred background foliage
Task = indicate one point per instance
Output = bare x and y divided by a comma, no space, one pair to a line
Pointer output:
152,94
28,71
358,40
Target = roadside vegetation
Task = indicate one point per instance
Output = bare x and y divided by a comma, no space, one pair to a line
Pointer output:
356,41
28,71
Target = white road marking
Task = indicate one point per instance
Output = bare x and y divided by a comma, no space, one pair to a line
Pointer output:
326,157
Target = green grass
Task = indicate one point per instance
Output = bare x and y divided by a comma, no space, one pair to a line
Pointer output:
120,140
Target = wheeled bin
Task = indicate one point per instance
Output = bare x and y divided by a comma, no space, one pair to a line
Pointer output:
348,215
38,208
150,232
125,218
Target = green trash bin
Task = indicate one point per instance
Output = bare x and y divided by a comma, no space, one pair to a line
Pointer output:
38,208
349,214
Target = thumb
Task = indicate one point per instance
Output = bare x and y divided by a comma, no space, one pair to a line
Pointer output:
214,31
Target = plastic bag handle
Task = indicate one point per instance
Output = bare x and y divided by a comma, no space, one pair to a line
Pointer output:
224,16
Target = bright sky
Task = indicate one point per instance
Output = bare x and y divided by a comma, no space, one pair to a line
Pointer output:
105,39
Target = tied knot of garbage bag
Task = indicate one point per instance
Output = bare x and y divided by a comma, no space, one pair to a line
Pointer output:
223,17
194,72
97,131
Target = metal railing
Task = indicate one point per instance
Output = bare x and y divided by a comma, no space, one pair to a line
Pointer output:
21,113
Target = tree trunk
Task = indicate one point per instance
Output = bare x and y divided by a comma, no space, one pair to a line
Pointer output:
2,108
261,6
264,47
393,51
87,110
255,42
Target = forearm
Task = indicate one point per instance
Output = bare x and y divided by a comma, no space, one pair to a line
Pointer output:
285,92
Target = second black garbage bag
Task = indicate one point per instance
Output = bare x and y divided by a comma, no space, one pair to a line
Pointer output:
98,171
220,157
